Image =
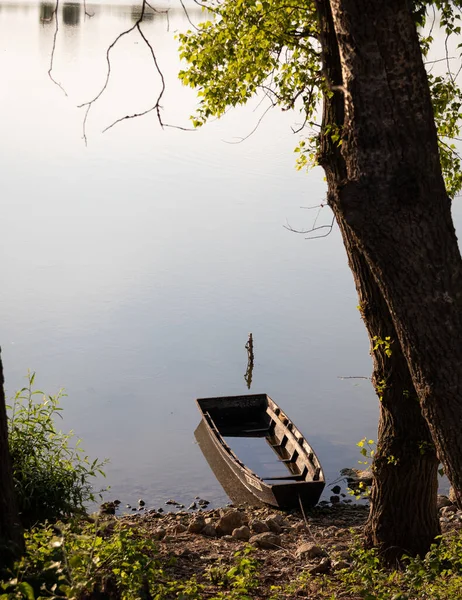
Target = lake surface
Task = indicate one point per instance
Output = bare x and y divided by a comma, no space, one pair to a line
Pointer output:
134,267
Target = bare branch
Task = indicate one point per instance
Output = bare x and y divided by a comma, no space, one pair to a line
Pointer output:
187,16
52,56
240,140
313,229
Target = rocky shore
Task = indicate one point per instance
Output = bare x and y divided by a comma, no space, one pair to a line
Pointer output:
286,544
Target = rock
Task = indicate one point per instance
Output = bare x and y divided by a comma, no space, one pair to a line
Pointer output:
180,528
209,531
134,508
117,502
242,533
443,501
173,502
192,506
273,525
141,502
356,476
203,502
127,506
335,499
259,526
228,538
267,540
322,568
447,510
309,550
197,525
161,510
229,521
107,508
338,565
159,534
336,489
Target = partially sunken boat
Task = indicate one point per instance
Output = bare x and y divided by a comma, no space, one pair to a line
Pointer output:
254,429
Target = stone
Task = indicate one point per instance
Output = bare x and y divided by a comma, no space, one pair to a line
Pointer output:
141,502
228,538
180,528
273,525
309,550
242,533
322,568
117,502
259,526
161,510
209,531
197,525
159,534
192,506
443,501
203,502
338,565
334,499
266,540
336,489
107,508
229,521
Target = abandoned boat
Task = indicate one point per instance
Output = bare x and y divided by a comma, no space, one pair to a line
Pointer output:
252,434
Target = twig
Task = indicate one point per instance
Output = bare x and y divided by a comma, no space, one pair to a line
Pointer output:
52,57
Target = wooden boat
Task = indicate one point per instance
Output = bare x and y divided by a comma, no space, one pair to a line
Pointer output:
295,475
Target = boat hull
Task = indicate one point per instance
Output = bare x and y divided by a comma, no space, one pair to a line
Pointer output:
287,492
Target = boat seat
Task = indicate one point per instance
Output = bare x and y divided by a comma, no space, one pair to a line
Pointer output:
257,430
285,477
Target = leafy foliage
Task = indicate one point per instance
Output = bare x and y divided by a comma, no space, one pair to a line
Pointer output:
271,48
52,477
114,560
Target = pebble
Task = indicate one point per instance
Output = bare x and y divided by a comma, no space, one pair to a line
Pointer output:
336,489
159,534
209,530
197,525
203,502
141,502
228,538
309,550
242,533
335,499
259,526
267,540
322,568
161,510
229,521
174,502
273,525
192,506
338,565
180,528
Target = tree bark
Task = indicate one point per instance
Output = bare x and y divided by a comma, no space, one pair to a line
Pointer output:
403,516
11,536
393,199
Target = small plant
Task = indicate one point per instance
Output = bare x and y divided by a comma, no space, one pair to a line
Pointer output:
52,476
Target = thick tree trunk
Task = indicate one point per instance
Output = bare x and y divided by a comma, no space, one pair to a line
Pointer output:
403,517
11,538
393,200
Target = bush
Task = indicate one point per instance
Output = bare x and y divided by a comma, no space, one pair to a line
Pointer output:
51,475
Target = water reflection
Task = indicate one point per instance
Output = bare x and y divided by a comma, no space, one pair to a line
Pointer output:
46,12
71,13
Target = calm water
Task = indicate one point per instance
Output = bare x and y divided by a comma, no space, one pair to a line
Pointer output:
134,268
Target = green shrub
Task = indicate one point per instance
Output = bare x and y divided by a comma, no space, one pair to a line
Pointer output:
52,475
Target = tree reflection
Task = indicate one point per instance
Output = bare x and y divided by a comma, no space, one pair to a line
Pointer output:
46,12
71,14
136,12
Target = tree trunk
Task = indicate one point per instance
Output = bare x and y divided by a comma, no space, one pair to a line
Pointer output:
403,517
11,537
393,200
